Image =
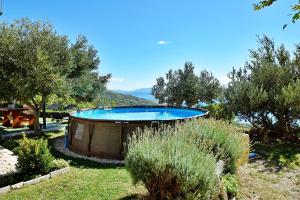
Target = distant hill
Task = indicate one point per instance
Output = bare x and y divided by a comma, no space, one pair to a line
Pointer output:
144,93
126,99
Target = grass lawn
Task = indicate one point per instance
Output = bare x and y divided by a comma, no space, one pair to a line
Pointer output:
82,182
86,180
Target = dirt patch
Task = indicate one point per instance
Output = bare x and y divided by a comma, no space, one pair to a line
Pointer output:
261,180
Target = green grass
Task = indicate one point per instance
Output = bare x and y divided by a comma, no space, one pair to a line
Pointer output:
86,180
101,182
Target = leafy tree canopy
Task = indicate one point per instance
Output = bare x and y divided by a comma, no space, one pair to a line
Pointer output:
266,90
184,86
35,62
84,58
88,86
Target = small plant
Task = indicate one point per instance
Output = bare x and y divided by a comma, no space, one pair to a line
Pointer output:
59,163
34,157
231,185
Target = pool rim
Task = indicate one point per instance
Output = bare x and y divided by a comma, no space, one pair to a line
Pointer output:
205,114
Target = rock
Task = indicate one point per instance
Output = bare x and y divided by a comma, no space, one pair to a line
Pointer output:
4,189
59,172
37,180
17,185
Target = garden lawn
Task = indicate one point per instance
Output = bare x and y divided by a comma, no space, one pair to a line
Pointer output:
86,180
81,183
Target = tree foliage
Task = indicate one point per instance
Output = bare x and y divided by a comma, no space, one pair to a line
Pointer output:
266,90
85,83
35,62
88,86
294,7
84,58
184,86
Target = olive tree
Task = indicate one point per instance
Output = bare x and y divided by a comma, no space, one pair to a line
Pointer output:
184,86
34,62
84,80
266,90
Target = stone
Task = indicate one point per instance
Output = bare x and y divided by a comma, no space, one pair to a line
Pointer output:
4,189
37,180
17,185
59,172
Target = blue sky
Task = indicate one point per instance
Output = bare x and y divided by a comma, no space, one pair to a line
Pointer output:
139,40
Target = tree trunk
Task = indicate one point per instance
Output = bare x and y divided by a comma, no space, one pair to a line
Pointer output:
37,128
36,107
265,134
44,115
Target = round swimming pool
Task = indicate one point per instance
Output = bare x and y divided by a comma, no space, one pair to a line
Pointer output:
103,132
140,113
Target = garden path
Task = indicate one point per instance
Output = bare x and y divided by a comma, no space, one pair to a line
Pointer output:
8,161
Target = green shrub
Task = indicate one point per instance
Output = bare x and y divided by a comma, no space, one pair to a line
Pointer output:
169,167
59,163
219,137
34,157
219,111
231,184
180,162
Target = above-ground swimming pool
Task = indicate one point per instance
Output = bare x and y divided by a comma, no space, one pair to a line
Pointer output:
103,132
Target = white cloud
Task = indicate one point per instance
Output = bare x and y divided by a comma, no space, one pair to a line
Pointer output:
116,79
162,42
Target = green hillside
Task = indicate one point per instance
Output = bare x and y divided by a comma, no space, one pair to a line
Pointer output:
118,99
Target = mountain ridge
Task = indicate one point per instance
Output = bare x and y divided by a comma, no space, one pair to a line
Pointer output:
144,93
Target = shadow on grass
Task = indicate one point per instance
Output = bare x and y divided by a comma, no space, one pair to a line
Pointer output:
278,155
130,197
7,130
136,197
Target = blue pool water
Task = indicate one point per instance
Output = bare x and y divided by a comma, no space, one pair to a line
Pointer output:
139,113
